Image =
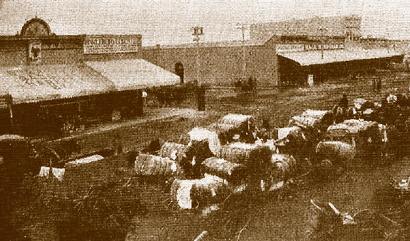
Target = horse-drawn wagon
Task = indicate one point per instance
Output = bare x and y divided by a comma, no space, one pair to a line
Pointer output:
364,136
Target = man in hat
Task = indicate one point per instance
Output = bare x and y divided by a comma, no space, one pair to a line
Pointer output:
344,102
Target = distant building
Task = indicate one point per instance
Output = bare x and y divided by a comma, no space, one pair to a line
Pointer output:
273,55
347,27
302,59
286,60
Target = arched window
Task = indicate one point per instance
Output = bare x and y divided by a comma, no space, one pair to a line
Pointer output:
35,27
179,70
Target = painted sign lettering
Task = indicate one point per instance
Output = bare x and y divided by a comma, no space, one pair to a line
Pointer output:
100,44
286,48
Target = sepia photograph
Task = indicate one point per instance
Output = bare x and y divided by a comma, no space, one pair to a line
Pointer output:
204,120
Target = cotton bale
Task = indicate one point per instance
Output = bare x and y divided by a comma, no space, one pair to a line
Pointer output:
286,164
189,194
319,114
324,116
202,134
296,141
304,121
227,132
355,128
243,122
150,165
234,173
84,161
210,190
365,135
286,131
313,119
368,129
237,152
55,172
358,103
188,157
283,168
172,150
336,151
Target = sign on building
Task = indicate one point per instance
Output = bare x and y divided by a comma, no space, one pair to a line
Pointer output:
318,46
286,48
102,44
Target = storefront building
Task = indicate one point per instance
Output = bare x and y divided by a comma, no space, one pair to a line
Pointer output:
50,83
307,60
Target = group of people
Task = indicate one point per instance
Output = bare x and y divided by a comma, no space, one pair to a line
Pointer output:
246,86
377,84
393,111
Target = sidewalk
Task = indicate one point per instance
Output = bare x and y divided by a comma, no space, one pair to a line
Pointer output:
150,115
100,136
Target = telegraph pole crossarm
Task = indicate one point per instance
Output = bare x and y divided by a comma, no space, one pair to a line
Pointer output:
197,32
243,28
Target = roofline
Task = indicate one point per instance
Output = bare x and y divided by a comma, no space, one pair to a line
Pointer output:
276,38
114,35
314,17
394,54
76,36
226,44
19,37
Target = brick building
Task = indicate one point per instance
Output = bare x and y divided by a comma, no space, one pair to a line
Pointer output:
218,64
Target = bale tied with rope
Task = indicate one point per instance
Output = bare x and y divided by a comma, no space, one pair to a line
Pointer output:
242,122
189,194
202,134
234,173
150,165
335,150
241,152
172,150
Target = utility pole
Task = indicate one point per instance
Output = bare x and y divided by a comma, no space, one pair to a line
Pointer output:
322,40
197,32
243,28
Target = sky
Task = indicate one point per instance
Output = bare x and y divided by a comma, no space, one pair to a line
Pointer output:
170,21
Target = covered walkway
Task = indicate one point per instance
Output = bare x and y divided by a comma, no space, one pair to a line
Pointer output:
295,68
129,74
